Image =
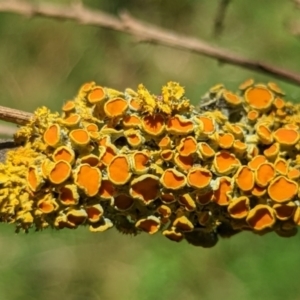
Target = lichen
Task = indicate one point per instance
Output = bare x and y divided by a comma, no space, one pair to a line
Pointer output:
143,162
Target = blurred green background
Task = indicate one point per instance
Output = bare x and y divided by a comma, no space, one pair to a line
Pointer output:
43,62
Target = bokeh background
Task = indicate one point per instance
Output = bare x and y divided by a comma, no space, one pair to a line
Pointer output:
43,62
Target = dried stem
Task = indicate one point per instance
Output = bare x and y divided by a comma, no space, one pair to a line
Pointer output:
145,33
14,115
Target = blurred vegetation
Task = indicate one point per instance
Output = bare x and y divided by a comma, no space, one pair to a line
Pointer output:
43,62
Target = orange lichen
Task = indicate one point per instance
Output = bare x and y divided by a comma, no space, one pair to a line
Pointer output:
69,106
178,125
154,124
173,235
140,161
118,170
279,103
150,225
64,153
46,206
261,217
187,202
293,174
264,134
282,189
108,155
284,211
208,124
165,142
173,180
52,135
107,189
232,98
167,155
272,152
281,166
199,178
221,194
68,194
286,137
88,179
226,140
275,88
72,120
94,213
256,162
184,163
96,95
80,137
253,115
123,202
205,150
245,178
183,224
205,198
259,97
258,191
134,137
76,216
187,146
145,188
264,174
91,159
115,107
246,84
238,208
225,163
34,179
60,172
131,121
154,162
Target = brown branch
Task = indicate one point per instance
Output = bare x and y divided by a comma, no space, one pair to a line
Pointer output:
144,32
14,115
5,145
220,16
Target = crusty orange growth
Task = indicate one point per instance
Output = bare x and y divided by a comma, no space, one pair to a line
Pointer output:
79,137
238,208
282,189
118,170
52,135
115,107
286,137
199,178
145,188
150,225
145,162
64,153
173,180
221,194
245,178
96,95
60,172
154,124
179,126
259,97
123,202
261,217
225,163
88,179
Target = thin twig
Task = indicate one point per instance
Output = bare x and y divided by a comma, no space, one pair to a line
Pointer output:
220,16
144,32
14,115
6,130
